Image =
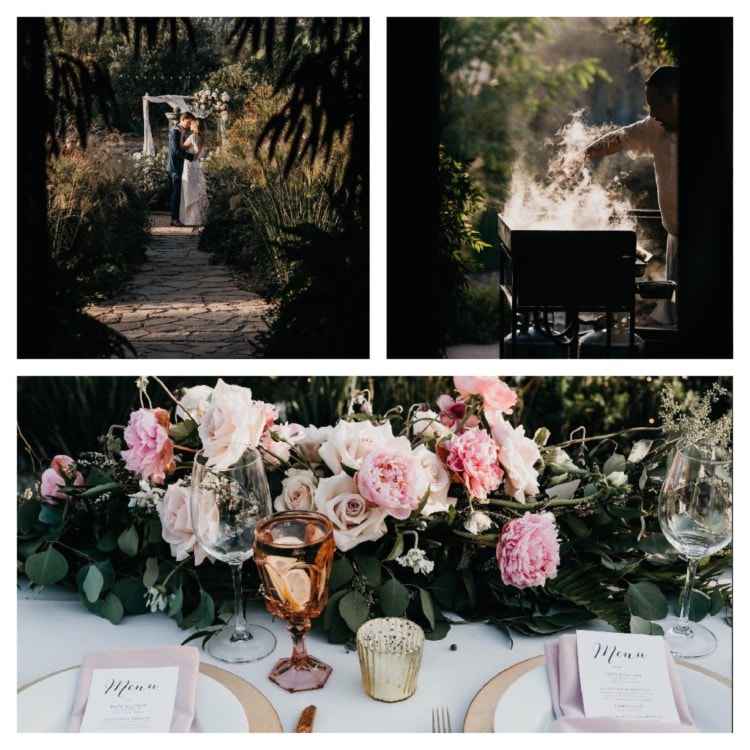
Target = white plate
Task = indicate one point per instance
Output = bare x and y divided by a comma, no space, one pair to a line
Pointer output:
526,705
46,705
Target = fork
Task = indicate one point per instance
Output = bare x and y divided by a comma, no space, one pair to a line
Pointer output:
441,720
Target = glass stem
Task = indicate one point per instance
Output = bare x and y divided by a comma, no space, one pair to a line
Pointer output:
683,626
297,631
240,626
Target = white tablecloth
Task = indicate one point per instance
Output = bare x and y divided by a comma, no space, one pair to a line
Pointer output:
54,634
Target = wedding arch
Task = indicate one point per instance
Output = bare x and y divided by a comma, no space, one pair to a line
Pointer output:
179,103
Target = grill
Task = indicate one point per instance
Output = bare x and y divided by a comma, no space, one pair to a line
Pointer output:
566,271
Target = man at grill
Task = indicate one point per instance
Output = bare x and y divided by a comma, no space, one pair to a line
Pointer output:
655,135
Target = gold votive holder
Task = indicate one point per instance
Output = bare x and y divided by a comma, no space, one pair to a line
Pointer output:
390,654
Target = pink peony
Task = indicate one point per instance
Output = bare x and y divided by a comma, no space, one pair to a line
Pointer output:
528,552
473,456
62,471
496,395
150,451
518,455
390,478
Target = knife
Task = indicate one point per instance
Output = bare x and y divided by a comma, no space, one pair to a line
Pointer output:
306,720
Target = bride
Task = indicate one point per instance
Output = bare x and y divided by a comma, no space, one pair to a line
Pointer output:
193,197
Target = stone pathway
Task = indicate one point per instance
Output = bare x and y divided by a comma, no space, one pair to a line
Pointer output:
178,305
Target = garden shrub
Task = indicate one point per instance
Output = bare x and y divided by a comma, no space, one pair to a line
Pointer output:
98,222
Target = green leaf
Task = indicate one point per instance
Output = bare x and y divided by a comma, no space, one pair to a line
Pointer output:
128,541
541,436
616,462
50,515
398,547
107,542
132,594
180,432
355,609
100,489
93,583
439,632
394,598
151,574
175,603
645,600
332,608
700,605
203,615
428,608
341,573
371,569
28,516
644,627
444,588
153,531
717,602
655,544
46,568
576,525
110,608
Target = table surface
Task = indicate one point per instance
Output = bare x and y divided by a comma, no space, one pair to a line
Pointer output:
55,632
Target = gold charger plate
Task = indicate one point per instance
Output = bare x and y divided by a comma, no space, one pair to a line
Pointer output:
259,711
480,716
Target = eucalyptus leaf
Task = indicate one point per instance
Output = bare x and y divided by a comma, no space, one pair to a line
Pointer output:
644,627
93,583
398,547
110,608
355,609
107,542
655,544
332,608
428,608
616,462
100,489
439,632
128,541
394,598
50,515
28,516
342,573
717,602
46,568
371,569
132,594
174,608
151,574
564,491
700,605
646,600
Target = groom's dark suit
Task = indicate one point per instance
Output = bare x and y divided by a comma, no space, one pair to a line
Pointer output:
175,162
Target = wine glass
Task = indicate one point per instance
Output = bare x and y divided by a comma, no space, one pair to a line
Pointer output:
695,515
225,507
294,553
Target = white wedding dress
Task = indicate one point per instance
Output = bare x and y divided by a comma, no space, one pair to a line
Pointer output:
193,197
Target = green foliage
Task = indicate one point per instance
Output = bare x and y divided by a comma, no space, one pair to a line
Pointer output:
98,222
477,319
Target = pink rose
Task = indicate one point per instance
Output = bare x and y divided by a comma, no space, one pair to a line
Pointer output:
177,524
473,456
518,455
528,552
270,412
496,395
390,477
150,451
62,471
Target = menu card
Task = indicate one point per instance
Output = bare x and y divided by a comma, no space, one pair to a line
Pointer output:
625,676
131,700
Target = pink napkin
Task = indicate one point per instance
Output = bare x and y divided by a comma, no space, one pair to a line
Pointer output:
186,658
561,659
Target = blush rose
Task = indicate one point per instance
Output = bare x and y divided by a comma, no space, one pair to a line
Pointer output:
528,553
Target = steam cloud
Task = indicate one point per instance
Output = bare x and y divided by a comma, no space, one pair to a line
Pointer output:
569,197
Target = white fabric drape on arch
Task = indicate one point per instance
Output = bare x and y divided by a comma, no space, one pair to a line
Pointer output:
176,101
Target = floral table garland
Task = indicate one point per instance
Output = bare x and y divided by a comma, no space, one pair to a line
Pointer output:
439,513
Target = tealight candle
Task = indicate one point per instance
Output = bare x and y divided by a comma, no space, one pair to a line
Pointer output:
390,654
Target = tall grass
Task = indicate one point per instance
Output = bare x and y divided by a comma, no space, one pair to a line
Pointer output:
98,221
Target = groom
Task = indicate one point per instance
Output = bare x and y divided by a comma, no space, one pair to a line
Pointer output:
175,162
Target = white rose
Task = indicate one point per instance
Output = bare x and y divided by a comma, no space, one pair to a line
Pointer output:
518,456
617,478
477,522
195,401
231,424
353,521
439,481
350,442
314,437
426,423
176,523
297,491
